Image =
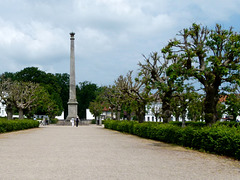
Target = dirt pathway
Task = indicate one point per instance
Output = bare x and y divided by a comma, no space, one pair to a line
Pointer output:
92,152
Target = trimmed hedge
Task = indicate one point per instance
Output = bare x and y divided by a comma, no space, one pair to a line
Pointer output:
54,121
188,123
14,125
219,139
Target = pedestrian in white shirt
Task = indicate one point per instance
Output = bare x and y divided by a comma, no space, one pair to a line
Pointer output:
72,121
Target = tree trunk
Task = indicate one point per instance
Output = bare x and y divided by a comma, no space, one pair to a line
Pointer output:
141,113
194,118
111,113
210,105
9,110
118,112
118,115
141,117
177,117
128,116
183,119
166,108
20,113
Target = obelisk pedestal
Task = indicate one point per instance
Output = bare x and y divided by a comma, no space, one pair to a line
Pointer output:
72,103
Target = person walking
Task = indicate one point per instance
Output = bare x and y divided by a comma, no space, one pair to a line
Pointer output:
77,121
44,121
72,121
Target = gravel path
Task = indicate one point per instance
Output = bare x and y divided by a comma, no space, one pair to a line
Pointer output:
95,153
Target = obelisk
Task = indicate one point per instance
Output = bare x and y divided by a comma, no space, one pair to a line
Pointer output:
72,103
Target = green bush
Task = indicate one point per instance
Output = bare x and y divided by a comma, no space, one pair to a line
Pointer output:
188,123
54,121
220,139
14,125
228,123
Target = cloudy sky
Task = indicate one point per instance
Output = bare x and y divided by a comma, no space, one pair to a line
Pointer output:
111,35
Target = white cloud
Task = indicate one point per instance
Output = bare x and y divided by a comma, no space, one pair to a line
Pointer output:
111,35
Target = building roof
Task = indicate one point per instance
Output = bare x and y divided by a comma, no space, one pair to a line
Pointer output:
222,98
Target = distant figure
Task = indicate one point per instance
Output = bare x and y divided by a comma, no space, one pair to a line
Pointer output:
44,121
34,118
77,121
72,121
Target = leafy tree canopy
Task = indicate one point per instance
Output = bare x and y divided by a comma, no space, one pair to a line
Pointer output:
86,92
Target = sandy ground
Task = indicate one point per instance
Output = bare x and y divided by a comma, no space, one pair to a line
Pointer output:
92,152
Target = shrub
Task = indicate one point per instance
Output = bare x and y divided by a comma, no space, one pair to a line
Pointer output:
14,125
54,121
228,123
188,123
220,139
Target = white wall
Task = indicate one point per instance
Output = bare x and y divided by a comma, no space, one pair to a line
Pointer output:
60,117
3,110
105,114
89,115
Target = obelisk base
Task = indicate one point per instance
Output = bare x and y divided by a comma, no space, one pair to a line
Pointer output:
72,110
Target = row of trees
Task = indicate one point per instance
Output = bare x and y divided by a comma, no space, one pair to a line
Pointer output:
32,91
198,59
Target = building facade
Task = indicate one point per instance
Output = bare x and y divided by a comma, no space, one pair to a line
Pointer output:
3,109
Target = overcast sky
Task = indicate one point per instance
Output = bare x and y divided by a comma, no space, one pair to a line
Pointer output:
111,35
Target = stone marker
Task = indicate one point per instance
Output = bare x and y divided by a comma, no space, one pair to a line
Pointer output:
72,103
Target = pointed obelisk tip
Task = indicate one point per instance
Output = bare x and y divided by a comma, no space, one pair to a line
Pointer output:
72,34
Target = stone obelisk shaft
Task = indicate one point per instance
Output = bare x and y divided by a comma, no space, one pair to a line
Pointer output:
72,103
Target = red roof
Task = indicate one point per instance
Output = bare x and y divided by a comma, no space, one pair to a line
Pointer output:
222,98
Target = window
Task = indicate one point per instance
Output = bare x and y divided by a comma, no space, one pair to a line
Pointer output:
152,119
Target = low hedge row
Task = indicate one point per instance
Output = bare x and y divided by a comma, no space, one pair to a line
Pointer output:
14,125
188,123
218,139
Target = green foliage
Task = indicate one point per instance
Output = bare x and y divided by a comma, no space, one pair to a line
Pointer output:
219,139
209,56
96,108
233,105
122,126
228,124
86,92
49,82
54,121
14,125
93,121
189,123
63,81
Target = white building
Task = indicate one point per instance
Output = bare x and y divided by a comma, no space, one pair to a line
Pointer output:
157,108
151,110
105,114
3,110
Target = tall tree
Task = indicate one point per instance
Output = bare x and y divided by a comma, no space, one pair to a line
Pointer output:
111,96
195,107
181,101
233,105
47,80
162,77
63,81
86,92
211,57
96,109
6,89
25,96
137,91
